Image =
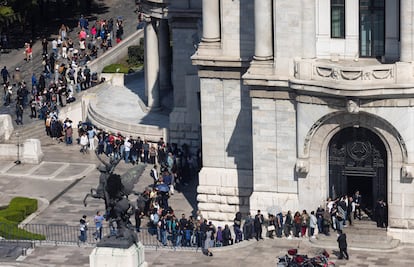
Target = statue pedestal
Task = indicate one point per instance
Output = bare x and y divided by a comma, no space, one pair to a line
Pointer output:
118,257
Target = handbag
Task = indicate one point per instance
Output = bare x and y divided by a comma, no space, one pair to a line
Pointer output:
271,228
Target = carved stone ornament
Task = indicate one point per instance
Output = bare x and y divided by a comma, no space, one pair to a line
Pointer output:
302,166
407,172
352,107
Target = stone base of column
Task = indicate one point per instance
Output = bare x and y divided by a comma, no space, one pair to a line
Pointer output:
223,192
259,69
210,40
260,200
261,58
118,257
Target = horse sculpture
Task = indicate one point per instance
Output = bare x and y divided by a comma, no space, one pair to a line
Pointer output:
114,189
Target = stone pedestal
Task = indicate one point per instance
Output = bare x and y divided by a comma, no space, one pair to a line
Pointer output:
32,151
118,257
6,127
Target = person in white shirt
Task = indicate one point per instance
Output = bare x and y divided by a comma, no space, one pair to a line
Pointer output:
127,149
84,142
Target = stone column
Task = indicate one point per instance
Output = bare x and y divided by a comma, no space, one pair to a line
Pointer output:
263,46
308,29
165,58
406,52
211,20
152,66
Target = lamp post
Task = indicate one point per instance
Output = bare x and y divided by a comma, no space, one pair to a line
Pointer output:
17,162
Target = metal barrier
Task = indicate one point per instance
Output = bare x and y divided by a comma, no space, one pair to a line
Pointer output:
62,234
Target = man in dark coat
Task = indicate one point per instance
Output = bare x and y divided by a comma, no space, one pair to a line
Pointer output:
342,245
258,222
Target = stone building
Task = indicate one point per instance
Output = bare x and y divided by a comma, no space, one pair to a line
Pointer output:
299,101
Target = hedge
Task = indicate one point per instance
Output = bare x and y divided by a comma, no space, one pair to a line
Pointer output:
18,209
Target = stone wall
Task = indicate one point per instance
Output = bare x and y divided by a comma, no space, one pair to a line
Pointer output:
225,182
185,116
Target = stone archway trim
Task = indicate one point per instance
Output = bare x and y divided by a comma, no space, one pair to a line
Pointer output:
355,120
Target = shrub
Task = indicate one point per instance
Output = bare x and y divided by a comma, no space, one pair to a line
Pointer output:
116,68
136,54
26,205
9,230
18,209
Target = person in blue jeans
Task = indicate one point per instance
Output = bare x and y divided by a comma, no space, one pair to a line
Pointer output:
98,224
83,227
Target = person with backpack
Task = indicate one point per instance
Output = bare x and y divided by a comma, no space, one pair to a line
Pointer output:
83,228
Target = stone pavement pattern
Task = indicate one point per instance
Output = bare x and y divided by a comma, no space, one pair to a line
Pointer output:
263,253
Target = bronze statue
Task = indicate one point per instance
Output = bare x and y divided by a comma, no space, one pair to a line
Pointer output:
114,190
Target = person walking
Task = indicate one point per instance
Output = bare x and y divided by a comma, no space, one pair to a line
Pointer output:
258,222
343,245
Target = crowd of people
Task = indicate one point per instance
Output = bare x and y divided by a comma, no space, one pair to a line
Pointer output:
64,69
198,231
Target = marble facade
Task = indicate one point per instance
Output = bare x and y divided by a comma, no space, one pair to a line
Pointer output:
275,88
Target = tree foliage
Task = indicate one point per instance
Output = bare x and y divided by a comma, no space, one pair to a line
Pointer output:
12,11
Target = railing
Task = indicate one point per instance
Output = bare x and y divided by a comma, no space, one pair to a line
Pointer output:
62,234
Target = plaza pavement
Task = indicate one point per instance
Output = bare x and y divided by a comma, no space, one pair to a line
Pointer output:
65,176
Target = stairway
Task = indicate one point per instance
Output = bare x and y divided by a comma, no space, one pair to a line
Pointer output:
363,234
31,130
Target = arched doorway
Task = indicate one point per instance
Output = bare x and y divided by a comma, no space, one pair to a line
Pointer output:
357,161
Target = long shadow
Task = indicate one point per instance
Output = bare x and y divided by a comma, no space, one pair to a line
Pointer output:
47,18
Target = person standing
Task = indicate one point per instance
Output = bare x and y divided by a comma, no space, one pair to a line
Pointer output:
357,200
258,222
98,219
83,227
17,77
343,246
236,227
139,214
380,211
5,75
351,210
304,223
248,227
313,222
19,113
44,46
227,239
288,225
84,142
91,138
154,174
127,149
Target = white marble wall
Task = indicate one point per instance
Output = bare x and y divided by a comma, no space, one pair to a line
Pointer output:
225,181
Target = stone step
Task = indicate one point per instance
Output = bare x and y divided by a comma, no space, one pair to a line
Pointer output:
362,234
363,242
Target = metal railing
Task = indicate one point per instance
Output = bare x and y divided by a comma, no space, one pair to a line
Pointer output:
62,234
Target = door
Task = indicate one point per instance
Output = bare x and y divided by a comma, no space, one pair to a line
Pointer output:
357,161
371,28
